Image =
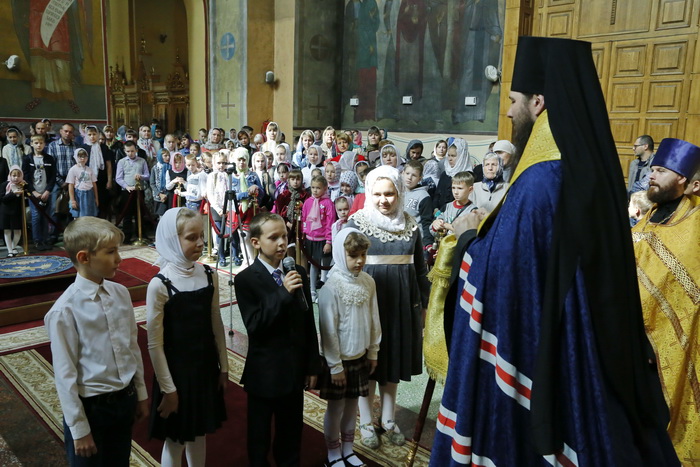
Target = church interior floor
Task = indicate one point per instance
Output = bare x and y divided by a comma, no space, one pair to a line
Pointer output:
410,394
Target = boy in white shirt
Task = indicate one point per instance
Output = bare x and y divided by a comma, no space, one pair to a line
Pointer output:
196,187
96,358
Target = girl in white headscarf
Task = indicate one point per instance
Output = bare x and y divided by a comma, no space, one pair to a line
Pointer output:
186,341
82,186
350,336
456,161
395,262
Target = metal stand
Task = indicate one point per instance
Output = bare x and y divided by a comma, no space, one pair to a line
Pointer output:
420,422
25,239
140,241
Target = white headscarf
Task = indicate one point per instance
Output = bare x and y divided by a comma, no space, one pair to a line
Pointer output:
396,221
399,160
168,242
353,290
462,164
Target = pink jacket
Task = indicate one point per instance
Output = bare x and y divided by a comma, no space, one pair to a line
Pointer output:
327,220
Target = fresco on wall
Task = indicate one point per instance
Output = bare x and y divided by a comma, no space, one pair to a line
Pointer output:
318,62
227,63
60,45
434,51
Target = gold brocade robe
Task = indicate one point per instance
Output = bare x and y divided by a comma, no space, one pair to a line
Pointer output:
668,268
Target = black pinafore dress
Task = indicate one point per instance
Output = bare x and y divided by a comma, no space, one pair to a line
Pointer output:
193,362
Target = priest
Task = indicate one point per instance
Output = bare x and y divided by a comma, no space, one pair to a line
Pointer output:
549,362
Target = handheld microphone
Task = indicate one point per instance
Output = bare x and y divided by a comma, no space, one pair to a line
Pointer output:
288,265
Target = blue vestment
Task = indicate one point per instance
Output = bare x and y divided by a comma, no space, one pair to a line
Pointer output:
485,412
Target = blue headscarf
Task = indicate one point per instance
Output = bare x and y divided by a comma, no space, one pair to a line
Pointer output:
164,167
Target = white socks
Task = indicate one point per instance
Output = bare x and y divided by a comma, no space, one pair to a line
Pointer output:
195,452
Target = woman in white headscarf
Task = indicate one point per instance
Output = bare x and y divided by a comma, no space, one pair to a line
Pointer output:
395,262
456,161
186,341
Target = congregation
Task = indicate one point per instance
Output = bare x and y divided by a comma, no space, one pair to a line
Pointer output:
367,222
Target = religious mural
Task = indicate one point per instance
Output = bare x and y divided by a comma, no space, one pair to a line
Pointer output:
434,51
227,62
62,72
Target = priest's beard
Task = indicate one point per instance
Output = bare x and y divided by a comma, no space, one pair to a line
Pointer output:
522,128
662,194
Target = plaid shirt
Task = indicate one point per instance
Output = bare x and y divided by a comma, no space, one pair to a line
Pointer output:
63,154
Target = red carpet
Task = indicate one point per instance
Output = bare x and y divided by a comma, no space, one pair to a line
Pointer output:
36,295
227,446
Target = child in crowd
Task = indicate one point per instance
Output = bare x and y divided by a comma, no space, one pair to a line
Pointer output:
40,174
244,141
196,188
318,216
175,179
402,295
639,205
101,161
186,144
361,169
196,150
131,170
207,162
372,149
282,154
350,336
462,187
457,161
217,184
289,205
418,203
313,161
11,209
390,156
272,137
96,356
82,187
159,174
332,173
348,185
15,150
186,342
248,189
317,172
269,159
266,182
282,172
306,140
283,354
342,209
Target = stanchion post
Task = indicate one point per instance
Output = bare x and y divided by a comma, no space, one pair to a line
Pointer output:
140,241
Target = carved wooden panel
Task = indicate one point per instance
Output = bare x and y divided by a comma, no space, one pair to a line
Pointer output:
601,58
665,96
629,59
674,14
624,131
669,58
694,102
559,24
598,18
662,128
560,2
626,97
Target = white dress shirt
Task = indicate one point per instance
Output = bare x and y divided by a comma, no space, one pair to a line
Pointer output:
93,341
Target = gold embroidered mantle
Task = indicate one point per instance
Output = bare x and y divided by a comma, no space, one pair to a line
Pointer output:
668,267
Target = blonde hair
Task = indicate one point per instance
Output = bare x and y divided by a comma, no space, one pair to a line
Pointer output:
90,234
640,200
183,217
356,243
